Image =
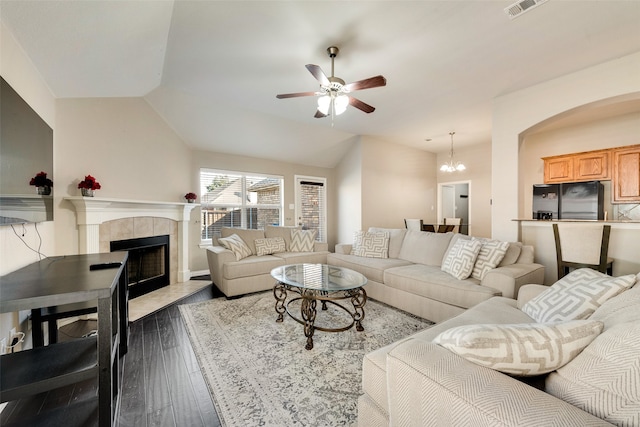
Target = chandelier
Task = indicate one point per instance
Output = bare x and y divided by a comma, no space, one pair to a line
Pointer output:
450,166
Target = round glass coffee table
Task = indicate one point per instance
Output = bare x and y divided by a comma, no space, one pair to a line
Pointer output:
319,282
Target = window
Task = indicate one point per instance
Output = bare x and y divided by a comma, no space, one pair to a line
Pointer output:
236,199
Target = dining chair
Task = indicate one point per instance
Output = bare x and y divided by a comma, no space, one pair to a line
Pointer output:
456,222
429,227
413,224
582,245
444,228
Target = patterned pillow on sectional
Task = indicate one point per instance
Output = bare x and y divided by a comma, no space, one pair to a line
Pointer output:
303,240
370,244
524,349
490,255
281,231
270,245
461,258
576,296
236,245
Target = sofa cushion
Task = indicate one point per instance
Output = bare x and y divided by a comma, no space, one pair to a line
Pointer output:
623,308
576,296
371,244
281,231
251,266
315,257
512,254
521,349
303,240
269,245
490,255
460,260
603,379
396,237
236,245
421,247
246,234
435,284
374,364
372,268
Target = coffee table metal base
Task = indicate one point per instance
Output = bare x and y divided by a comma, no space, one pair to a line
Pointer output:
310,298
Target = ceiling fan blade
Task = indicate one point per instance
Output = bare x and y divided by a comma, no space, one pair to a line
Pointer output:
317,72
295,95
369,83
361,105
319,114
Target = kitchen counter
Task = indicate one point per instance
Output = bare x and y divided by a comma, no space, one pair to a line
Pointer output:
624,244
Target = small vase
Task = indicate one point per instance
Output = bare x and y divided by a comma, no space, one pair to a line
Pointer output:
87,192
190,201
44,190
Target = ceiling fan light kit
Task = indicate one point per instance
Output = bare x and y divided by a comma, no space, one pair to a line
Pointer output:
333,96
452,166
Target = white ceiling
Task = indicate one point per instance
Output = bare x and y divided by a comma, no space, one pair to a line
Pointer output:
212,68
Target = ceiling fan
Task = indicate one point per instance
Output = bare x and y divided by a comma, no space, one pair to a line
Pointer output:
333,96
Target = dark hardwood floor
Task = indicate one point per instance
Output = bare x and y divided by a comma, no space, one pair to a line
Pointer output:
162,382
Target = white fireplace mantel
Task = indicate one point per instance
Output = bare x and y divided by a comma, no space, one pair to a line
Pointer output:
93,211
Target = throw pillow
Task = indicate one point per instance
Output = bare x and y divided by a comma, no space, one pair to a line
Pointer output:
490,255
303,240
236,245
461,258
269,245
576,296
281,231
370,244
524,349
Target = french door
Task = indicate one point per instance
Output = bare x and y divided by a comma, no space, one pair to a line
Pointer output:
311,204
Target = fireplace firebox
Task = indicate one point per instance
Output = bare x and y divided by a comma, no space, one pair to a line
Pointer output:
148,263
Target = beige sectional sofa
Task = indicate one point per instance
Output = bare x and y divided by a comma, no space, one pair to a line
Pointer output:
416,382
411,278
252,274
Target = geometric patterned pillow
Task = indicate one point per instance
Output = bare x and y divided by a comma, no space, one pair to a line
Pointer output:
269,245
371,244
489,257
576,296
523,349
303,240
236,245
603,379
461,258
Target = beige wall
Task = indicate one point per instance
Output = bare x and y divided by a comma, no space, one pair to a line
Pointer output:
515,113
349,193
205,159
477,160
126,146
381,183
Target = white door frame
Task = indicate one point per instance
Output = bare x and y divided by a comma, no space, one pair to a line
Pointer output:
440,185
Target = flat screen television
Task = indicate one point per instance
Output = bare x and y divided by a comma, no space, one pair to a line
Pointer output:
26,148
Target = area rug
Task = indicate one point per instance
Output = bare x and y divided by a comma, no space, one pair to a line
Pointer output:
259,373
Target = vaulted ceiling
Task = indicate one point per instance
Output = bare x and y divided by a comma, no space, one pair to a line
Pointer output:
212,69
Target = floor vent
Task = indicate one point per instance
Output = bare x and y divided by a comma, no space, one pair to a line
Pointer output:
520,7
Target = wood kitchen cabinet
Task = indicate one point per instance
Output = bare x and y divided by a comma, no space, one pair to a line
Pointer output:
588,166
626,174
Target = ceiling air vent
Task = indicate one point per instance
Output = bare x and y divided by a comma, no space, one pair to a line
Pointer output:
521,7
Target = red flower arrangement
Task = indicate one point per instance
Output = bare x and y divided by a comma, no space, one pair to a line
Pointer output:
190,196
89,183
41,180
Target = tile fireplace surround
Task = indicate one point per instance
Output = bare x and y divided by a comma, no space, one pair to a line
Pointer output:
101,220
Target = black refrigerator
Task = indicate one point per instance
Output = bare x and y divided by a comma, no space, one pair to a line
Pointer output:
575,200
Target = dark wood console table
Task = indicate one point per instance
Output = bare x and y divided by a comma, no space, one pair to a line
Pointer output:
58,281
